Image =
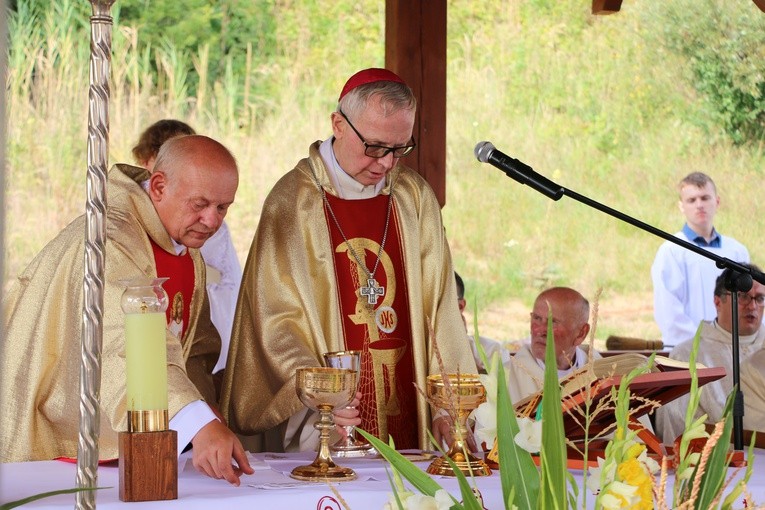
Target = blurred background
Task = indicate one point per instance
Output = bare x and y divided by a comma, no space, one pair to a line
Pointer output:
617,108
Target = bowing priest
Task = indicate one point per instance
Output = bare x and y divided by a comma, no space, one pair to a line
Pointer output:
155,225
350,253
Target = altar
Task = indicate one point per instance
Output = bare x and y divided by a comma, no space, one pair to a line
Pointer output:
269,487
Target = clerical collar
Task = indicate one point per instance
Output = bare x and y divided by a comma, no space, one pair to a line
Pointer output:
698,240
579,361
179,248
346,186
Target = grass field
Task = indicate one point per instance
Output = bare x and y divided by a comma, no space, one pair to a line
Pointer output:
597,104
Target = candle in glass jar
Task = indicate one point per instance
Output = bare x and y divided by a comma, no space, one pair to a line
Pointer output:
146,359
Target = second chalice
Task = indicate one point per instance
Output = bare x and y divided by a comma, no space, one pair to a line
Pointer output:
324,389
461,393
349,445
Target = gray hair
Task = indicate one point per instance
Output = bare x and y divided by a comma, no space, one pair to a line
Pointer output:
393,97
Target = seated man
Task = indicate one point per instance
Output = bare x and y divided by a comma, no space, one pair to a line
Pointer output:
148,233
489,346
570,315
753,388
715,350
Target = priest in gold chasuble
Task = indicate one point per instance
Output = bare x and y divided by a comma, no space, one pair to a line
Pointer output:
350,253
152,231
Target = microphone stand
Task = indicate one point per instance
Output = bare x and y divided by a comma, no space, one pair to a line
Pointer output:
740,279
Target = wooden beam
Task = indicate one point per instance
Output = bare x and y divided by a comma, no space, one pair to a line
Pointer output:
415,49
606,6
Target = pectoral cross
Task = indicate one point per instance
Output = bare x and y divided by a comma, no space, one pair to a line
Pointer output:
372,291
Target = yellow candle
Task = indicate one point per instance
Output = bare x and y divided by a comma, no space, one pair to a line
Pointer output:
146,359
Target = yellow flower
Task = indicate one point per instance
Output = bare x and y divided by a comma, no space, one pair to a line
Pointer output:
634,473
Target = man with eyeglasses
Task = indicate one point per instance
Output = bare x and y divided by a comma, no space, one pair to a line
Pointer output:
350,254
716,350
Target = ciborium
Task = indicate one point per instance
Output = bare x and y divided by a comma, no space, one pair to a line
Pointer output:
460,393
324,389
349,445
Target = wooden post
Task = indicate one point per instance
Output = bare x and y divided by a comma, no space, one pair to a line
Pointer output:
415,49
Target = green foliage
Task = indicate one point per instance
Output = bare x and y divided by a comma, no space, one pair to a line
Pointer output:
553,457
519,475
724,43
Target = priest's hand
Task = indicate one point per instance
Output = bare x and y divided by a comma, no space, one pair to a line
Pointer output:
213,447
442,433
348,416
442,430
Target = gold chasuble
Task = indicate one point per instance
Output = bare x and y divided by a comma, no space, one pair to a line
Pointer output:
40,359
301,296
377,326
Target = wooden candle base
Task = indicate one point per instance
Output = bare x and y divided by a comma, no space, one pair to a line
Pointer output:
148,465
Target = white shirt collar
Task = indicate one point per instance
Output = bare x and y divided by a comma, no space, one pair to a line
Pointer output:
580,358
346,186
179,248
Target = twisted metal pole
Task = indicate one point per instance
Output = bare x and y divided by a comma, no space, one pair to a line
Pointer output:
95,242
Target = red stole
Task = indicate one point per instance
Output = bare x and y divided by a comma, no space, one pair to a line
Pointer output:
180,287
381,330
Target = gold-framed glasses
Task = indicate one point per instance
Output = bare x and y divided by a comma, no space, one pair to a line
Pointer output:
380,151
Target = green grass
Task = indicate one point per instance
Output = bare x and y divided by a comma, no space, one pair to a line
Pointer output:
595,103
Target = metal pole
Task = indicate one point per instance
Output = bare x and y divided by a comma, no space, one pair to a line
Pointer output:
95,241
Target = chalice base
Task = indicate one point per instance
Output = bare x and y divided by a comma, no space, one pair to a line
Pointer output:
322,471
441,466
351,447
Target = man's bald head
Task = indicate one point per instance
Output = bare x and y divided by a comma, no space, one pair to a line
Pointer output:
194,182
570,315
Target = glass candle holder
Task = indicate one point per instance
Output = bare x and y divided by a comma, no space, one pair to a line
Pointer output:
144,303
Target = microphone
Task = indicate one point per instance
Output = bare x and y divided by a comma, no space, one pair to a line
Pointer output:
521,172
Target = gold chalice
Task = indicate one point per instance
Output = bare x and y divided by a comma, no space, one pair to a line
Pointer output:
463,394
324,389
348,446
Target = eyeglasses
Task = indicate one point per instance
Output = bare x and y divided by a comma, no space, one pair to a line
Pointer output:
380,151
746,299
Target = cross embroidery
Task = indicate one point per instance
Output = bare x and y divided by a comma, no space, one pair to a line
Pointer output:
372,291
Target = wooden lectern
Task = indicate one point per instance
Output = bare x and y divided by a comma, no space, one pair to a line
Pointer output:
661,387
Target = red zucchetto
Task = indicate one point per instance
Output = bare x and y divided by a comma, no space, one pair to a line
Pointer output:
371,75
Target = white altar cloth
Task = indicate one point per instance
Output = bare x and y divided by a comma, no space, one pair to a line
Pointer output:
269,487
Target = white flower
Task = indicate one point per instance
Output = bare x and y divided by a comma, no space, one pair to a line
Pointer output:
486,423
651,465
403,496
441,501
597,478
614,492
529,436
489,380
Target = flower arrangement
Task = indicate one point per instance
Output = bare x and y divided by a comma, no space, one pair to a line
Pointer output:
626,477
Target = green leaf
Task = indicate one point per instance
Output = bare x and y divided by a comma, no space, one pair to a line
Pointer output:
553,456
469,499
716,468
518,473
14,504
416,476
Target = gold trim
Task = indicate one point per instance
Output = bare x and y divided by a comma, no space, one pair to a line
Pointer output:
155,420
